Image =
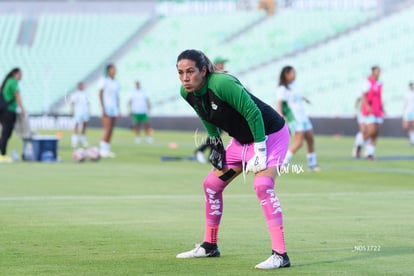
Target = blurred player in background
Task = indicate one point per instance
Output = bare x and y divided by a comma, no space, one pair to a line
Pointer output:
359,137
259,142
220,64
408,114
79,102
372,111
139,106
12,100
290,104
109,99
268,5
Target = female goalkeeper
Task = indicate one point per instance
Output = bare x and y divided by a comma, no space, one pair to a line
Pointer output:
259,143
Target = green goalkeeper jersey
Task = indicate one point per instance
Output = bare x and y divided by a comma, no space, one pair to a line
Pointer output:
223,103
11,87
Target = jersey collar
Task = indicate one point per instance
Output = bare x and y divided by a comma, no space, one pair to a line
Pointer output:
203,89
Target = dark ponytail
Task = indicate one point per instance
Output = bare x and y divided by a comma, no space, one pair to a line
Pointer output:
282,78
200,59
8,76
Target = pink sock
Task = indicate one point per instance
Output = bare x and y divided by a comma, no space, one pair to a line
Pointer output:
264,187
211,233
278,238
213,190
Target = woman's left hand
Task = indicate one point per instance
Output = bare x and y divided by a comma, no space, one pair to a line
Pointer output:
259,160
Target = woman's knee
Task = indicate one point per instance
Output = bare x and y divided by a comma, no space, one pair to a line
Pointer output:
263,185
213,184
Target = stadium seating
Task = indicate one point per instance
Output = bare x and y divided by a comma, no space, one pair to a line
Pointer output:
65,49
289,31
9,28
332,74
154,57
68,47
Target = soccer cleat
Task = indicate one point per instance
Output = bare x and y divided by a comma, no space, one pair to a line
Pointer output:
356,152
370,157
107,154
315,168
199,252
5,159
200,157
276,260
149,140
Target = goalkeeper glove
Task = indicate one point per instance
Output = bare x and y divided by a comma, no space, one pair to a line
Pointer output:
218,153
259,160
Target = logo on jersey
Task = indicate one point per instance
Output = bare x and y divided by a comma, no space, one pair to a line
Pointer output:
214,106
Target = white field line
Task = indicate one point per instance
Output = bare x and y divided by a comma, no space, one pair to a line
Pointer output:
200,196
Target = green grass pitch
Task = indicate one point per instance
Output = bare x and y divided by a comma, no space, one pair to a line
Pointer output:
131,215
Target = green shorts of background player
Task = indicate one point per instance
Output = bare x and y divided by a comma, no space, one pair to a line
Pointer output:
138,120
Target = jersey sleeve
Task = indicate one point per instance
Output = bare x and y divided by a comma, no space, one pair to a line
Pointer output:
101,83
16,87
130,96
72,98
280,94
144,92
365,88
230,90
13,86
211,129
10,89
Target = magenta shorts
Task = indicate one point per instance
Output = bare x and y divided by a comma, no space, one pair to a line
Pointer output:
277,145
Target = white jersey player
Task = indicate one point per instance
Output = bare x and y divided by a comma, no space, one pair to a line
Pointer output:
79,103
359,137
408,114
109,98
139,106
290,103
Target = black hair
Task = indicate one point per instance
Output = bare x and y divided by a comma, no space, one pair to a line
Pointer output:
8,76
375,67
109,66
200,59
282,78
411,84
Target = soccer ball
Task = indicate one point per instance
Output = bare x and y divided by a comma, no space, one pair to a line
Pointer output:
79,155
93,154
